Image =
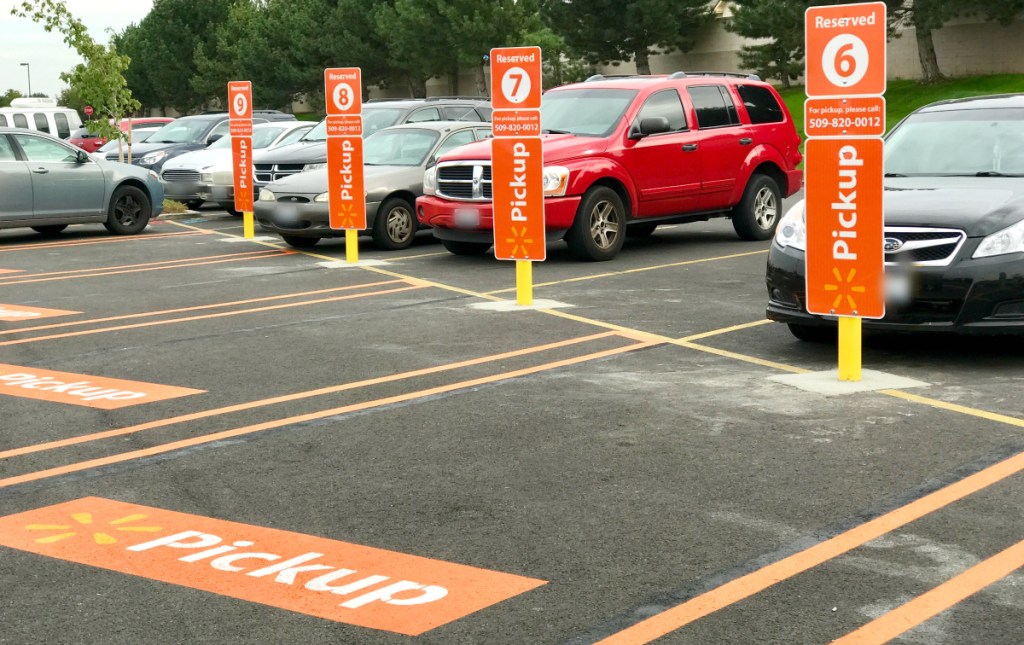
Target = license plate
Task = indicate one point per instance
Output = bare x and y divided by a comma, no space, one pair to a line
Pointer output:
467,218
899,288
286,214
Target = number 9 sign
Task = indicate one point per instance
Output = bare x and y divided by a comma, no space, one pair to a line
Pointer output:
240,100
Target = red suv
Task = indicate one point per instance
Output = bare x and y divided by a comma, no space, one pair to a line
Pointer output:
91,143
624,155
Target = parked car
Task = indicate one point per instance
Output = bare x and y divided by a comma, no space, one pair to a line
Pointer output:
208,174
311,152
954,226
138,136
42,114
48,184
635,152
187,134
91,143
296,207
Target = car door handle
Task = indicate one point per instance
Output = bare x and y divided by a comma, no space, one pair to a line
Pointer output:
746,141
41,171
689,147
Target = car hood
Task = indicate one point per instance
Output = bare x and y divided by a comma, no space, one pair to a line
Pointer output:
314,182
200,159
557,148
978,205
299,152
140,150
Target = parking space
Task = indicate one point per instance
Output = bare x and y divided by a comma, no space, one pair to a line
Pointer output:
617,468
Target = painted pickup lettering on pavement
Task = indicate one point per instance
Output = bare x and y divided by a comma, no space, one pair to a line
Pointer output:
81,389
339,581
15,313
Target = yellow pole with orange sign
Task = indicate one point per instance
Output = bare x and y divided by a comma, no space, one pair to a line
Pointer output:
351,246
248,225
240,130
345,181
849,349
524,282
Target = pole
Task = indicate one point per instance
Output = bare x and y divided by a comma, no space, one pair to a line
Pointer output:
352,246
849,348
28,70
524,282
248,225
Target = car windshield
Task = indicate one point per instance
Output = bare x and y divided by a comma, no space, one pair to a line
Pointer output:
980,142
261,138
181,131
401,147
373,119
584,112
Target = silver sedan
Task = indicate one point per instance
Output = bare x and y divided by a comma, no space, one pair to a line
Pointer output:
395,158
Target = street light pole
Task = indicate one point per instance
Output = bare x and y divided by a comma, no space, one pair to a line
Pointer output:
28,70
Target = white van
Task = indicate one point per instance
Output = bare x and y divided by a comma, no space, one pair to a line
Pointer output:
41,114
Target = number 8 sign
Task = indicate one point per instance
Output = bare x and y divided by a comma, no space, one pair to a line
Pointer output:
846,49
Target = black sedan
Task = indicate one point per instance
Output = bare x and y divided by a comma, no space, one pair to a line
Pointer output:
954,226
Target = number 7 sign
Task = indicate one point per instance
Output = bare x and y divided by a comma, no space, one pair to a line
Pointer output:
516,78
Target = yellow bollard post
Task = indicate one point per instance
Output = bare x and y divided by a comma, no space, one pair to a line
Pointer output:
248,225
524,282
849,348
352,246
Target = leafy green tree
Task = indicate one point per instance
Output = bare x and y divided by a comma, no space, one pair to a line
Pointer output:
415,34
782,23
99,81
619,30
561,64
475,27
8,96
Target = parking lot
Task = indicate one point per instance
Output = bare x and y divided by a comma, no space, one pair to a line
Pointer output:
615,465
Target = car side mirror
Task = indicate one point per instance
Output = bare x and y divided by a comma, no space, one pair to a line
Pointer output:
81,156
213,138
649,126
432,161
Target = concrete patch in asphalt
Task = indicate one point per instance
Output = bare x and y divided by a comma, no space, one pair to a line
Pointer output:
506,306
258,238
340,264
828,382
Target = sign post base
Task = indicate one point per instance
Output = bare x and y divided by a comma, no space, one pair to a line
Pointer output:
524,282
352,246
849,349
248,225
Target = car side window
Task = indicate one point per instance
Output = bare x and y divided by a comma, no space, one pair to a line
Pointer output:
40,149
6,150
460,113
665,103
460,138
3,121
41,123
20,121
426,114
761,104
715,108
63,127
293,136
483,133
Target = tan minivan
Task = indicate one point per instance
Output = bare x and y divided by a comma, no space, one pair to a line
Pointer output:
41,114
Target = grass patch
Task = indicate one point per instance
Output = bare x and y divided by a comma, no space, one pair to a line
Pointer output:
903,97
172,207
308,116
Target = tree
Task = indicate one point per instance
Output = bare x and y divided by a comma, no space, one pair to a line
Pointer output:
475,27
561,64
782,23
618,30
8,96
99,81
404,25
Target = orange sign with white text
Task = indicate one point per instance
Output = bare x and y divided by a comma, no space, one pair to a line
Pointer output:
846,46
16,313
346,195
516,78
240,130
862,116
240,100
518,189
845,256
339,581
343,89
80,389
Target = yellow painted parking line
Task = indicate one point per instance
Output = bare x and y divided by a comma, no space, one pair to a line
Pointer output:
611,274
7,248
953,407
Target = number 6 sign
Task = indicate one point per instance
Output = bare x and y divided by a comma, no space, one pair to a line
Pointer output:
846,50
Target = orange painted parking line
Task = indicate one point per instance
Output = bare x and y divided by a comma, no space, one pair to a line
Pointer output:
391,378
928,605
19,313
158,266
223,314
6,271
350,583
179,310
755,582
323,414
123,266
107,240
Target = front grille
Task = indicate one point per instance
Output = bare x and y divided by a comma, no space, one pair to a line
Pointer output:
180,175
464,181
266,173
293,199
923,246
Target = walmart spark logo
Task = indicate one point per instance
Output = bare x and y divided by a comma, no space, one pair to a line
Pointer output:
845,289
84,523
347,216
519,243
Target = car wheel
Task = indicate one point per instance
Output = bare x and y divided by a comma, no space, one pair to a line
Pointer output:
194,204
300,242
395,225
758,213
230,208
51,229
640,230
466,248
129,211
813,333
597,232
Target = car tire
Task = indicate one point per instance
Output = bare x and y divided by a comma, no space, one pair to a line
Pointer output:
813,333
598,231
466,248
760,209
129,212
230,208
395,225
51,229
640,230
300,242
194,204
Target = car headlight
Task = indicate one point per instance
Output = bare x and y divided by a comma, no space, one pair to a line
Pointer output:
223,178
322,197
152,158
266,196
313,166
206,177
556,181
792,230
430,181
1008,240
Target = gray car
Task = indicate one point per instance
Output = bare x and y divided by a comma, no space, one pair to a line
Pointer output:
296,207
48,184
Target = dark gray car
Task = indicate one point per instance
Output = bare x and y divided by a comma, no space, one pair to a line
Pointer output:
395,158
47,184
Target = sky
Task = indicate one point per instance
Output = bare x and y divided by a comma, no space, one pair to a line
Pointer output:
24,41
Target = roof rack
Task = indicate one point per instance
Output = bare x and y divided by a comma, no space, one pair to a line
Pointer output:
457,98
606,77
749,77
